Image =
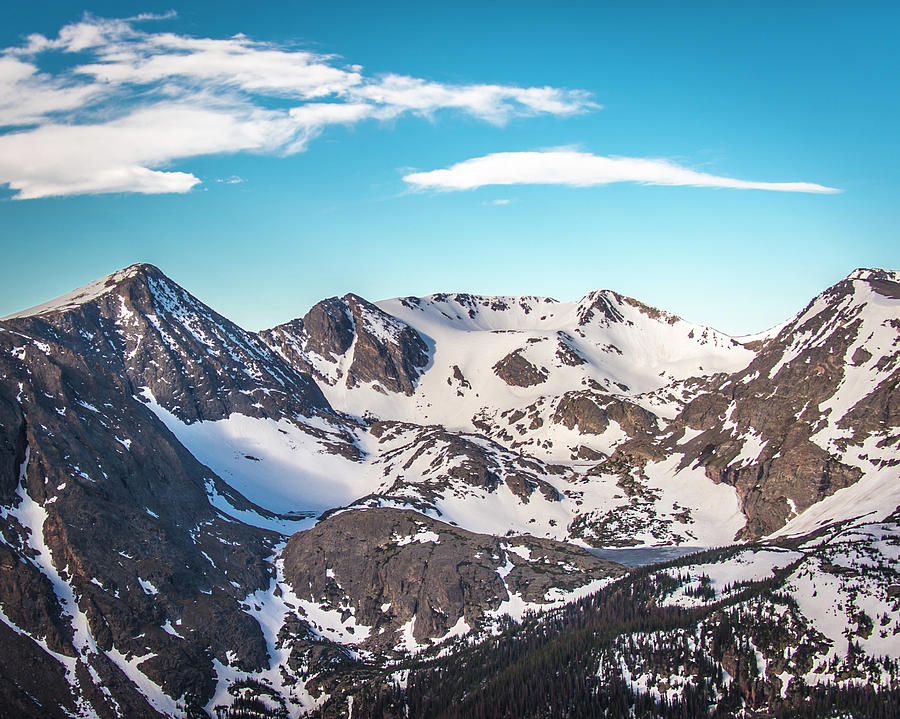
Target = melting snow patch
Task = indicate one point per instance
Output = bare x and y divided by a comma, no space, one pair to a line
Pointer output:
423,536
407,641
148,587
523,552
169,629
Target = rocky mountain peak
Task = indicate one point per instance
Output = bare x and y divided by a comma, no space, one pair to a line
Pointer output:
196,363
874,274
602,305
350,339
608,307
115,282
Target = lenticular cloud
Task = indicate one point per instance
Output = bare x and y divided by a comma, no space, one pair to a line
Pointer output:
581,169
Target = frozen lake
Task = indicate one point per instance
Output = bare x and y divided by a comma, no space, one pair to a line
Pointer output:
639,556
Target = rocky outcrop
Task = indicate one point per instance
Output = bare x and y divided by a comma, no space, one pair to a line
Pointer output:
602,306
517,371
591,413
329,328
13,444
385,351
567,352
406,576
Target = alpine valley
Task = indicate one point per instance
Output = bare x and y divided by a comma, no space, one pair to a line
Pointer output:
436,507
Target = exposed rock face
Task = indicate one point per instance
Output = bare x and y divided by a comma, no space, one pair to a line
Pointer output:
567,352
517,371
780,431
329,328
591,413
32,683
108,507
393,568
143,327
385,351
602,307
13,444
288,341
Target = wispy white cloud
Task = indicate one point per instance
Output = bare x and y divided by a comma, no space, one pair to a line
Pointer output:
28,96
582,169
146,16
118,156
129,103
494,103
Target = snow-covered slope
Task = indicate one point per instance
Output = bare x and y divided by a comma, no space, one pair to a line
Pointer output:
810,426
605,341
653,415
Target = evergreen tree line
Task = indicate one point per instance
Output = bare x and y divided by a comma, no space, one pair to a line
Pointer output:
572,663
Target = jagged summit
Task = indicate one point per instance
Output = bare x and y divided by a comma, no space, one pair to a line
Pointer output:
195,362
92,290
350,341
523,312
866,273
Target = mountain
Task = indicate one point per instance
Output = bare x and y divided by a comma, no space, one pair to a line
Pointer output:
807,432
197,364
354,342
648,428
196,516
114,557
791,629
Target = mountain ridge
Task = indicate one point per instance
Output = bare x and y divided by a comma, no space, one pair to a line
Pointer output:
162,469
371,359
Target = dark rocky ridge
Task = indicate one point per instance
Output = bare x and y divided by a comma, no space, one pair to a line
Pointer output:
602,306
368,559
125,503
386,351
199,365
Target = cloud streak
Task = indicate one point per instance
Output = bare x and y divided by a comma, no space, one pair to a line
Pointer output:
581,169
128,103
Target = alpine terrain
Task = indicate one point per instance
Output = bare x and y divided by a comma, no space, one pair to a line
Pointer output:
450,505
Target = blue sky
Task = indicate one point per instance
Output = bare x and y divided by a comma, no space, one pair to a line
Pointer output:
722,160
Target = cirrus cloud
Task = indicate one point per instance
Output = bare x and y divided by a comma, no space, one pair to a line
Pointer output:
127,103
582,169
